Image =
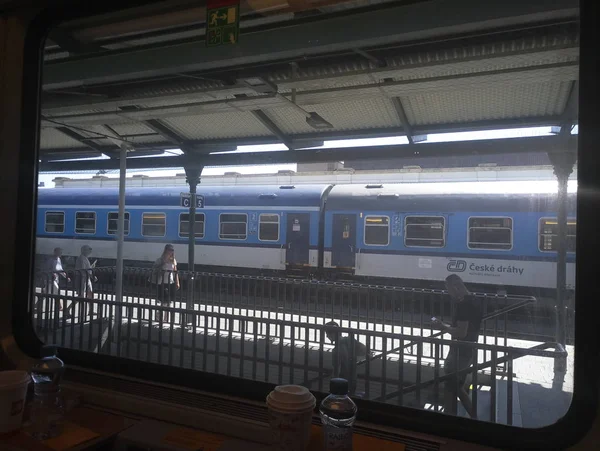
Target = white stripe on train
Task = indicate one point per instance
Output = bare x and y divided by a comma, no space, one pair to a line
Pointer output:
229,256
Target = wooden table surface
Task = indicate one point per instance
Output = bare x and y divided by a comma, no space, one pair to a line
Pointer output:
106,425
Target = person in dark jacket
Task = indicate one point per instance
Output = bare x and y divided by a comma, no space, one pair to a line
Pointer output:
345,354
466,322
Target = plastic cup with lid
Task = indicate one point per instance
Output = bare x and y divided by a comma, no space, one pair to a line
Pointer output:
13,391
290,416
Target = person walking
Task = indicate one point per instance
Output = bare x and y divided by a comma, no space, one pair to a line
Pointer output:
84,272
466,322
56,270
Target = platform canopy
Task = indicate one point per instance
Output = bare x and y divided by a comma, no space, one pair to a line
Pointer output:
304,72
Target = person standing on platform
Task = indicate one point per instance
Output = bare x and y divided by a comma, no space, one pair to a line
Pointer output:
466,322
345,355
84,272
164,275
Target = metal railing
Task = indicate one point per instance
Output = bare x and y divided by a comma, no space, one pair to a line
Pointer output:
275,349
360,306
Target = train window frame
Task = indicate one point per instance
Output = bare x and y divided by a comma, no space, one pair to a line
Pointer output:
405,228
376,225
584,398
196,236
221,222
512,235
153,213
63,221
127,221
540,234
95,223
260,216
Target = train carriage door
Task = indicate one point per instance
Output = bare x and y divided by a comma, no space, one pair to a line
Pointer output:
344,241
298,239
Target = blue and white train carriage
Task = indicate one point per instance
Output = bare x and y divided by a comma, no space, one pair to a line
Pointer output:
492,233
497,233
256,227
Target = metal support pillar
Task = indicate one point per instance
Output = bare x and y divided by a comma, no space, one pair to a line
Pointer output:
563,163
192,172
120,241
121,223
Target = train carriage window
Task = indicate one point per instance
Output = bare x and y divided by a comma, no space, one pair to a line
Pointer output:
490,233
85,222
424,231
55,222
233,226
268,227
377,230
548,234
154,224
184,225
113,223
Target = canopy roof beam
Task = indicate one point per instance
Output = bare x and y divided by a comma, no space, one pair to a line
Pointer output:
551,144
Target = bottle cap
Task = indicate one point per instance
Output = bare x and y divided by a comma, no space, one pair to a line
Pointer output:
47,372
338,386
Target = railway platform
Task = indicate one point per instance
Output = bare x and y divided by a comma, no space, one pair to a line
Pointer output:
513,381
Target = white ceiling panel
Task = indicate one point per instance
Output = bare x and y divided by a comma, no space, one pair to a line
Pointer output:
52,138
214,126
495,102
372,113
148,139
352,115
132,129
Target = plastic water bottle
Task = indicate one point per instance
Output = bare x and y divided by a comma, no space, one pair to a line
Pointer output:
338,413
47,410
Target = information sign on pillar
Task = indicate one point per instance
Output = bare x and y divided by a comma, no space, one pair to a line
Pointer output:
185,200
222,22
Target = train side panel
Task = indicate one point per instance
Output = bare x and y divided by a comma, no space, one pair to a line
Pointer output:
425,237
236,233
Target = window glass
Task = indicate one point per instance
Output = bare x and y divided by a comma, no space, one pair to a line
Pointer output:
268,227
419,148
184,225
424,231
549,234
154,224
490,233
55,222
113,223
85,222
233,226
377,230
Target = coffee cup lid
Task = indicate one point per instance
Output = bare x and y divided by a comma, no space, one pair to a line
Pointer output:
294,398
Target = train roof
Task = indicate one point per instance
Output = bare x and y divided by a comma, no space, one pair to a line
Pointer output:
449,196
217,196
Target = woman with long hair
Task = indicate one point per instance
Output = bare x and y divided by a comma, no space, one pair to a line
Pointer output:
166,279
